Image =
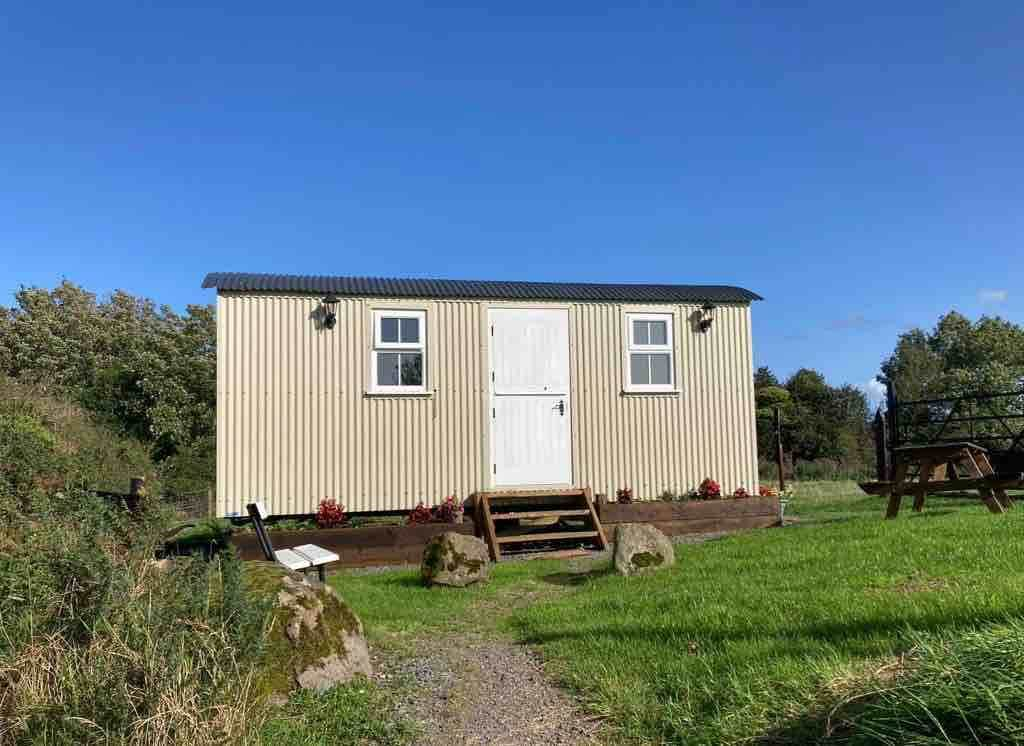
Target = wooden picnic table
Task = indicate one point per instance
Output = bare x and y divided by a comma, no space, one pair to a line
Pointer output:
946,467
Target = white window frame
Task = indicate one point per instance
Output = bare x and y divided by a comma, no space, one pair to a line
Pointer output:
379,346
667,348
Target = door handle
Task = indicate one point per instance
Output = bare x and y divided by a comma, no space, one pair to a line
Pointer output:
560,407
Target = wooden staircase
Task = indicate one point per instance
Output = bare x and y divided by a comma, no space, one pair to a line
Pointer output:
532,521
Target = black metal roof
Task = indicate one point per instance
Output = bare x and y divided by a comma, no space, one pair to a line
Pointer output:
477,289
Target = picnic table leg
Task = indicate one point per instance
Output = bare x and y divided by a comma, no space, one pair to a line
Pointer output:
928,468
979,466
896,496
985,466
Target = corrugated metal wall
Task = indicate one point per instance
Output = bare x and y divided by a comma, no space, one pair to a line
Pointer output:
294,423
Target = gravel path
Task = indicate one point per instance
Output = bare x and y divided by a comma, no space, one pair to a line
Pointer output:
486,692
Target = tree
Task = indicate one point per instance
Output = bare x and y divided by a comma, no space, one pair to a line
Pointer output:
764,378
148,370
957,358
819,421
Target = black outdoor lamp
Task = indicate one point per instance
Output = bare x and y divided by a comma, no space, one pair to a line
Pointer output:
330,318
708,310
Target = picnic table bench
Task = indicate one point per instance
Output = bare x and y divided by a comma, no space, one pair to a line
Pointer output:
944,467
300,559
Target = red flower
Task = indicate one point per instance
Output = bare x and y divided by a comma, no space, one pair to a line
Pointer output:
709,488
330,514
741,492
420,514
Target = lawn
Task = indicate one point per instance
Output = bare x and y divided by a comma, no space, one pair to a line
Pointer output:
752,637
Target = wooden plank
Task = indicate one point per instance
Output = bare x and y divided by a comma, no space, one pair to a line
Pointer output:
602,540
703,526
641,512
988,497
538,514
489,533
984,464
896,494
933,449
383,541
531,493
504,504
548,536
1004,499
876,488
921,491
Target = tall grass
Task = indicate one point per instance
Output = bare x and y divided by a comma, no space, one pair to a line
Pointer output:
99,644
965,688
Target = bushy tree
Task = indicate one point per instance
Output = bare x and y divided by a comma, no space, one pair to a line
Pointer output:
957,357
146,369
819,421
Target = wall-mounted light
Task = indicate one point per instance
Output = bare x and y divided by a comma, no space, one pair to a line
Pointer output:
328,304
708,310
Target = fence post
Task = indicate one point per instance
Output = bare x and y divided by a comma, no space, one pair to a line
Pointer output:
136,490
778,449
892,405
881,428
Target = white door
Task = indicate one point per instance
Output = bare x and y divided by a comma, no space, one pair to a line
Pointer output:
530,433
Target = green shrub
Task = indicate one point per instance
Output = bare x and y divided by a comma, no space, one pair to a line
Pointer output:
28,452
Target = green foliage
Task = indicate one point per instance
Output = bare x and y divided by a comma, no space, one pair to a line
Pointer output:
46,443
823,424
357,714
105,647
28,451
149,371
957,357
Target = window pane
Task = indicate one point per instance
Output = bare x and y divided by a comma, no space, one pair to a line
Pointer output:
639,370
661,369
387,368
641,334
412,369
659,332
410,330
388,329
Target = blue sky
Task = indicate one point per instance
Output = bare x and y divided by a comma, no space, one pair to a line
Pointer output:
859,165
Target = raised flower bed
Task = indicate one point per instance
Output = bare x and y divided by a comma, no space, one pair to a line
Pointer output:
357,547
693,516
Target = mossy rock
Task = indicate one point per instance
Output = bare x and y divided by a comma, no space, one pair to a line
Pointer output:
641,548
313,639
455,560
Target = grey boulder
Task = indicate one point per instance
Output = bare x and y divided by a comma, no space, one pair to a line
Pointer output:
456,560
641,548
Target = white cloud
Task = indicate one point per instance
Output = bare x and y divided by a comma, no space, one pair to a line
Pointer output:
875,392
992,296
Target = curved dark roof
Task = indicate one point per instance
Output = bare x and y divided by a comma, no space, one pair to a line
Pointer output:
477,289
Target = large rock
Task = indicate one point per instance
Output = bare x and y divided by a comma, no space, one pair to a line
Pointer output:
456,560
640,548
315,640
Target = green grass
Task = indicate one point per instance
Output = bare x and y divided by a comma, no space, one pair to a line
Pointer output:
352,715
754,635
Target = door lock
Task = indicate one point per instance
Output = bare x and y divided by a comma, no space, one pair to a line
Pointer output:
560,407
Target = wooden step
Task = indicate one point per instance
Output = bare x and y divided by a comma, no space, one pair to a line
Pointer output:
538,514
549,536
514,505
